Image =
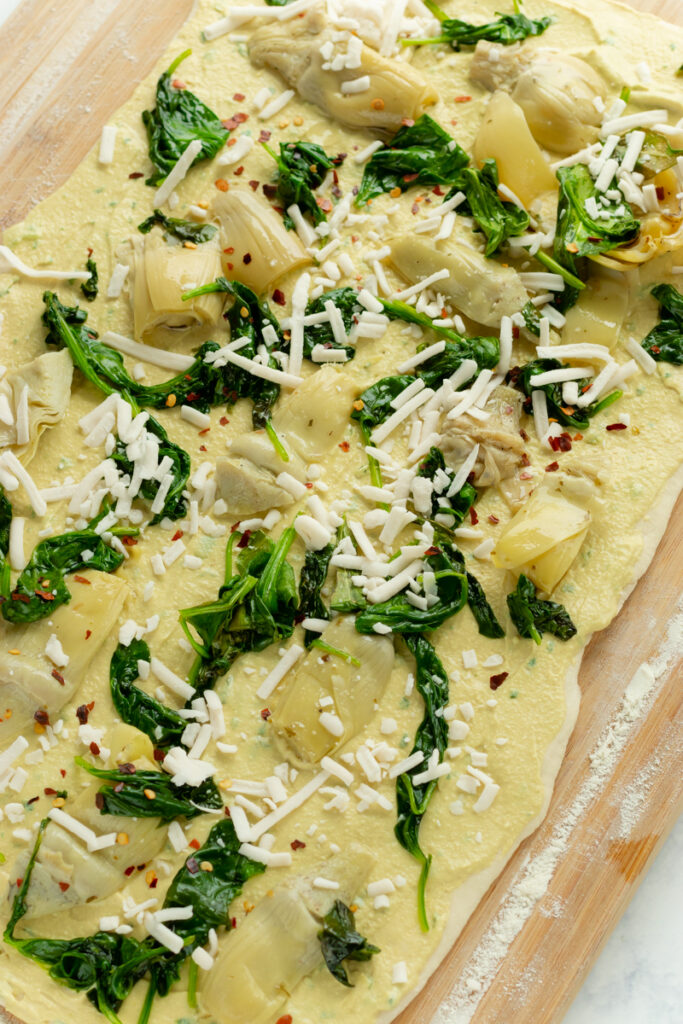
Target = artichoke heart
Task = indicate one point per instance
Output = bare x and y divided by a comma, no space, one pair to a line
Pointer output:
43,388
162,273
505,137
482,289
314,418
556,91
397,91
63,858
27,682
354,689
500,446
543,538
259,247
247,476
598,314
259,964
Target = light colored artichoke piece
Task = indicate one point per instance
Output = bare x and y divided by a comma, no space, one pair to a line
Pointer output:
294,50
556,91
500,446
44,387
27,682
355,691
247,477
263,248
248,488
599,312
260,964
543,538
482,289
64,860
314,418
162,273
504,136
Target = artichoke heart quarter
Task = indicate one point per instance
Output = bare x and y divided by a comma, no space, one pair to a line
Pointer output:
27,680
306,729
259,964
396,91
163,272
256,247
43,388
543,538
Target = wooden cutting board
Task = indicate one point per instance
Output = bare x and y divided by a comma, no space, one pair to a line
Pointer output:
66,67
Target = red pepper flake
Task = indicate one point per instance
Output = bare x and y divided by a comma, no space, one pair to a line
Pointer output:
493,519
41,716
49,791
129,871
177,535
287,1019
246,258
94,749
136,174
99,797
88,634
64,886
240,117
656,349
578,437
159,755
81,579
127,768
130,542
45,594
90,251
462,99
407,122
296,844
411,177
552,467
238,97
178,84
474,518
83,713
525,460
244,539
660,192
58,676
233,920
191,864
496,681
264,135
20,882
253,184
432,551
344,445
265,714
309,485
515,332
62,772
563,443
279,297
615,426
414,209
203,448
195,844
324,204
438,191
221,184
33,800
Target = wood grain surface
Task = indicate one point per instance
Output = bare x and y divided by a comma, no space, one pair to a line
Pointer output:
66,66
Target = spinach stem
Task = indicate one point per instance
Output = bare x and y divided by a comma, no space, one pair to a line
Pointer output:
192,986
149,999
276,442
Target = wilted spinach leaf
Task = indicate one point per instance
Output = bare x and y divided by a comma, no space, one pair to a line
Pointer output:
184,230
533,617
665,340
340,941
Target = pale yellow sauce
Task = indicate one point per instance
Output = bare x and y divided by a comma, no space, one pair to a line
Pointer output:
99,207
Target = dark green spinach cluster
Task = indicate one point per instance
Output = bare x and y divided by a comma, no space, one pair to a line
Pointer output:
178,119
533,617
665,340
569,416
301,168
340,941
183,230
506,29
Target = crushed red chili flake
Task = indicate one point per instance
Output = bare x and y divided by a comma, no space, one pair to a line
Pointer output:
552,467
432,551
296,844
407,122
615,426
462,99
287,1019
493,519
58,676
94,749
239,171
88,634
99,800
238,97
221,184
269,191
45,594
64,886
344,445
496,681
159,755
229,250
130,542
82,713
119,787
81,579
411,177
33,800
265,714
415,209
309,485
515,331
279,297
136,174
191,864
244,539
41,716
562,443
438,191
253,184
474,518
233,922
660,192
129,871
246,258
177,535
264,135
324,203
224,421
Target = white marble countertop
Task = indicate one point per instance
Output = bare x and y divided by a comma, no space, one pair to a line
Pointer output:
638,978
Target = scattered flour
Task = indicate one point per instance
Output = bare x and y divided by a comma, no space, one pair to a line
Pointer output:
535,874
